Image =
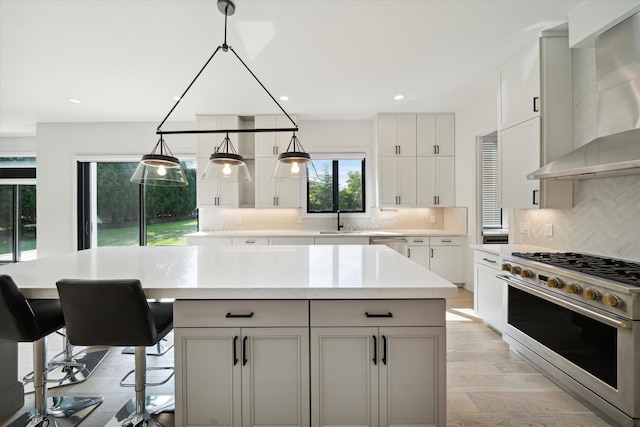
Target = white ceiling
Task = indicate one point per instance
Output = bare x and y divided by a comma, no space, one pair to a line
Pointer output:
126,60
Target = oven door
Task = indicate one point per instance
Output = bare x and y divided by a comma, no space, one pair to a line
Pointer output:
591,352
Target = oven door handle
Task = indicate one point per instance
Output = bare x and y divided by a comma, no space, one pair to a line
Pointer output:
616,323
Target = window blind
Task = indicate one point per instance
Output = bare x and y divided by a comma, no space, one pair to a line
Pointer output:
491,213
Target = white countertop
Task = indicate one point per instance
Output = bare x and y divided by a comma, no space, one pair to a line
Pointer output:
507,249
241,272
323,233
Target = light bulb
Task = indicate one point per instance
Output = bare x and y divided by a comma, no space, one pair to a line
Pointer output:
161,170
295,169
226,169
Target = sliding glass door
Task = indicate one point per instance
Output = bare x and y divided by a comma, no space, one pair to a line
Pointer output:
112,211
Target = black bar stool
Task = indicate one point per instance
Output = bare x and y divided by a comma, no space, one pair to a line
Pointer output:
23,320
116,313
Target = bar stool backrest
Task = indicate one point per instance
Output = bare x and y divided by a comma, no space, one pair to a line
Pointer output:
106,312
17,321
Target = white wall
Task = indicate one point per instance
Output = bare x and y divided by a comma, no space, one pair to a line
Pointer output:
24,146
61,145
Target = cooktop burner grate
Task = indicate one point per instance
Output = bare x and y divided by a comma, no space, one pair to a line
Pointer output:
607,268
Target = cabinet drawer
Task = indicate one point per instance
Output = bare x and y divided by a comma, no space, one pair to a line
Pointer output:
377,312
418,241
487,258
445,241
250,241
240,313
209,241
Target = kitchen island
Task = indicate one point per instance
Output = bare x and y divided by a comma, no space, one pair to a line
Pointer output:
350,335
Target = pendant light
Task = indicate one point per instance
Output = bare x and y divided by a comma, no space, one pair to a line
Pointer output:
225,163
291,162
162,169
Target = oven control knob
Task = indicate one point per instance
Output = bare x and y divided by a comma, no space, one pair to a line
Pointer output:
610,300
505,267
574,288
591,294
526,273
554,282
515,269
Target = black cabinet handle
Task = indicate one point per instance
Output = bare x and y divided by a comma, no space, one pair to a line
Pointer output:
244,351
435,150
535,104
489,260
375,350
384,349
534,197
235,351
233,316
389,314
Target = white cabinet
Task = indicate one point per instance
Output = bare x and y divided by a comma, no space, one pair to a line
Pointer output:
209,241
360,374
271,144
489,292
250,241
236,369
435,135
291,240
397,135
214,191
436,181
397,181
342,240
270,193
442,255
536,124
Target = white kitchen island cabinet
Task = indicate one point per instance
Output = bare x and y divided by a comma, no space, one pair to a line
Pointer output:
383,367
278,283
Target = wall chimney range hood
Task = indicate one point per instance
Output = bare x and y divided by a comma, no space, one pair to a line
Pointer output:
616,151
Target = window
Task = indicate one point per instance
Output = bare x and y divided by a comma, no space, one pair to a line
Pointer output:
334,184
110,207
491,212
17,209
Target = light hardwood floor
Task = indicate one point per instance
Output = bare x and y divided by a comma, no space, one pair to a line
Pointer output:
487,385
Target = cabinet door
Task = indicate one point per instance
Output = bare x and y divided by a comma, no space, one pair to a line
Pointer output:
265,141
291,240
420,254
489,295
213,191
519,154
412,376
426,182
407,135
388,173
283,138
287,193
208,377
265,187
275,377
446,261
426,135
520,87
445,181
406,187
344,377
445,134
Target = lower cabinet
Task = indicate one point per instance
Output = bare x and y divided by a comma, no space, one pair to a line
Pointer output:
489,292
243,376
377,376
442,255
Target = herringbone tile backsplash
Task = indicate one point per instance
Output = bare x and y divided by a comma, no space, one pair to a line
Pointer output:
605,220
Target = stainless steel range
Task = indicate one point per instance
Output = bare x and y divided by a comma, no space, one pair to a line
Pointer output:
576,317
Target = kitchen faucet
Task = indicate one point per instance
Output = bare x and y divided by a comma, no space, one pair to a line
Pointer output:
339,225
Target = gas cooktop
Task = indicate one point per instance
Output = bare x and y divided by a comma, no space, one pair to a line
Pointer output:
607,268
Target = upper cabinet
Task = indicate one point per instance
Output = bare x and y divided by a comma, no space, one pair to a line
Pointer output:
435,135
270,144
397,135
416,160
535,123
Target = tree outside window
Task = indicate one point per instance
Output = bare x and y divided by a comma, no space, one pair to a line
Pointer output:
336,184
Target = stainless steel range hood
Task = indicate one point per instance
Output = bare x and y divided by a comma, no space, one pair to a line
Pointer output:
616,151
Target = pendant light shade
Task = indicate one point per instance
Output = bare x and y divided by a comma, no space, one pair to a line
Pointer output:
161,169
225,163
291,163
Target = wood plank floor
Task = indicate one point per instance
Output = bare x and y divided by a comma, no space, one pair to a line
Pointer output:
487,385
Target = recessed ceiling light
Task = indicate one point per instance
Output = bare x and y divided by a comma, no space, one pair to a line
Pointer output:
398,97
75,101
284,98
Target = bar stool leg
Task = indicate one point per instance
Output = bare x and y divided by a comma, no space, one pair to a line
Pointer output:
39,381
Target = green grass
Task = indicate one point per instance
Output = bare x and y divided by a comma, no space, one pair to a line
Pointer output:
167,233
